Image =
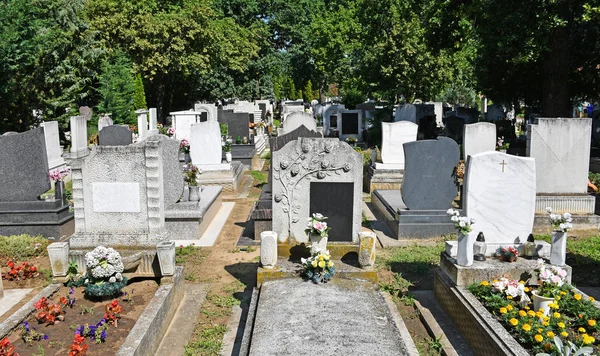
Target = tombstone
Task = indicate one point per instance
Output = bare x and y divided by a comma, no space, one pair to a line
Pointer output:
427,127
115,135
53,149
152,122
479,137
237,123
406,112
428,175
423,110
79,141
86,112
438,109
495,112
454,128
297,119
142,123
351,124
103,121
330,118
210,111
500,196
312,175
506,129
394,136
205,146
182,121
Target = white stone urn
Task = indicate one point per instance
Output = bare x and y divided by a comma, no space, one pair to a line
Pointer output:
228,157
268,249
318,243
165,252
558,251
464,253
540,302
59,258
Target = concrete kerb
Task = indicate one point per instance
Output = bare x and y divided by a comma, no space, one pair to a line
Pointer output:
411,348
245,345
23,313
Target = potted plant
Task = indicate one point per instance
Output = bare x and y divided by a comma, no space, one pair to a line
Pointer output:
466,237
57,176
184,147
318,233
190,173
319,267
227,149
560,225
550,280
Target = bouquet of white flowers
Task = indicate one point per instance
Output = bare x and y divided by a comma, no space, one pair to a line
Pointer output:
462,223
104,275
559,222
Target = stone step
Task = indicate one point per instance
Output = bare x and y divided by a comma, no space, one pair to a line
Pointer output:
344,269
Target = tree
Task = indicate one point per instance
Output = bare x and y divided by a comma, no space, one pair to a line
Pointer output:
139,97
308,91
117,89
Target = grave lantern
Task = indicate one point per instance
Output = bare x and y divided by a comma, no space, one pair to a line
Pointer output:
530,247
479,248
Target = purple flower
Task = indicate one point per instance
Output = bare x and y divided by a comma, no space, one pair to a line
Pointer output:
45,337
26,324
71,290
79,330
103,335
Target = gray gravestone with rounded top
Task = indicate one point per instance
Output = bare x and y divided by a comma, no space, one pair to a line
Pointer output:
115,135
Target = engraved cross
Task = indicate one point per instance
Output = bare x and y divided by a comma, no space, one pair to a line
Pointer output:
503,164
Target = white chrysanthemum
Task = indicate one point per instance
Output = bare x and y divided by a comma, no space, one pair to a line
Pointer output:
472,221
98,272
112,280
454,218
450,212
567,215
462,224
549,210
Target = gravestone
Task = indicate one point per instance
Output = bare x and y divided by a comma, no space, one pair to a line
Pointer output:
209,111
423,110
428,175
24,162
53,149
479,137
350,124
297,119
78,135
334,200
506,129
394,136
182,121
142,123
237,123
500,196
406,112
205,146
278,142
330,118
438,109
296,169
495,112
152,122
103,121
454,128
115,135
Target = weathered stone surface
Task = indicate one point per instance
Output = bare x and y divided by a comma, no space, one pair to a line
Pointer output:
142,123
116,197
268,249
500,195
394,136
205,144
115,135
210,109
428,176
297,119
104,121
165,251
306,161
58,252
561,148
24,162
78,134
172,173
276,143
477,138
53,150
366,254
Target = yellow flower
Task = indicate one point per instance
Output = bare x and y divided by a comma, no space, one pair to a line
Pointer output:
545,323
330,264
588,339
509,307
314,263
322,264
521,282
509,297
556,315
503,311
546,318
540,330
561,325
577,296
550,334
522,313
538,338
592,322
531,313
563,293
527,308
581,330
526,289
321,257
485,283
539,314
554,305
513,322
564,334
591,299
557,298
526,327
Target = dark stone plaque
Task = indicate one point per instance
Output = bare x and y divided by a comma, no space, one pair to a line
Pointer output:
333,121
237,122
429,174
115,135
334,200
203,116
349,123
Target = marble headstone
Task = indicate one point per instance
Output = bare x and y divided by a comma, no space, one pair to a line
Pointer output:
115,135
205,144
479,137
210,109
182,121
561,148
78,134
500,196
429,183
53,149
297,119
24,162
152,122
406,112
173,176
142,122
395,135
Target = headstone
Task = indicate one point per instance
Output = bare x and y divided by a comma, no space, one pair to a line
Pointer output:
350,124
278,142
561,148
142,123
24,162
479,137
506,129
209,109
500,196
115,135
53,149
153,122
103,121
406,112
423,110
329,112
78,134
205,144
429,182
495,112
237,123
438,109
297,119
182,121
454,128
394,136
305,173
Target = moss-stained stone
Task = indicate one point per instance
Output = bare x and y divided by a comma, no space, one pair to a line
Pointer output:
344,269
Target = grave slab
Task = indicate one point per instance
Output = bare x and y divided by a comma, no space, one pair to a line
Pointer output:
11,298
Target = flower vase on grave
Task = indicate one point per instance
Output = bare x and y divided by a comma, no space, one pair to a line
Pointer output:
59,190
464,254
318,243
228,157
540,302
194,193
188,159
558,250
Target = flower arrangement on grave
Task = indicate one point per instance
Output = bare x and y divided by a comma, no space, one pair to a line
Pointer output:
318,268
572,318
133,128
104,273
190,174
260,124
317,225
184,146
501,144
23,271
551,279
227,145
48,313
351,141
170,132
461,223
508,254
29,334
560,223
78,347
58,174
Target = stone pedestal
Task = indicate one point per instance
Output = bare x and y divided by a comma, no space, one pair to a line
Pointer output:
189,220
366,252
581,204
383,177
229,179
46,218
268,249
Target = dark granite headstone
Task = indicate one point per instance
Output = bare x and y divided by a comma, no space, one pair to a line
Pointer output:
263,111
454,128
237,123
428,174
506,129
23,166
334,200
349,123
115,135
333,121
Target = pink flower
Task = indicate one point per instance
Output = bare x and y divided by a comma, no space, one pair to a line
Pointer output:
320,226
545,274
556,279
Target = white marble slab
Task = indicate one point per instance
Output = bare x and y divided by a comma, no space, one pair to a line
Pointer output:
11,298
500,195
182,121
394,136
205,143
53,150
78,134
119,197
479,137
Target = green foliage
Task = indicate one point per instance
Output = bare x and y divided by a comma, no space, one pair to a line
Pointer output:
308,91
139,97
351,97
398,287
260,178
224,129
22,247
594,178
117,89
459,94
208,343
276,123
182,253
100,289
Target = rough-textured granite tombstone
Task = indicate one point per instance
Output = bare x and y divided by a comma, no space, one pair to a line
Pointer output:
297,119
428,176
303,162
24,162
394,136
479,137
53,149
115,135
500,195
406,112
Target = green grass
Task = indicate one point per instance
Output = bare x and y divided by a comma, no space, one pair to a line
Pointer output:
183,253
208,343
22,247
266,155
260,178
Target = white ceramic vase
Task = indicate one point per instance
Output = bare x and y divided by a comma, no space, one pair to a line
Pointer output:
318,243
228,157
543,303
464,253
558,251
